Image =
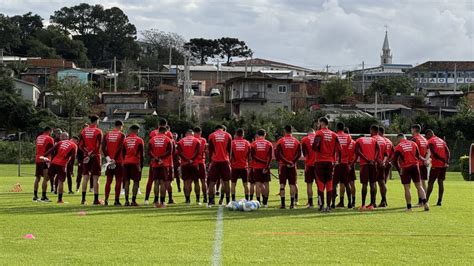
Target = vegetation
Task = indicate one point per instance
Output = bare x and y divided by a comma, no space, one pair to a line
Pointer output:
336,91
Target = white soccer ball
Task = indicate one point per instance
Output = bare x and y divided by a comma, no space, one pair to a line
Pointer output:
229,206
247,206
240,205
255,204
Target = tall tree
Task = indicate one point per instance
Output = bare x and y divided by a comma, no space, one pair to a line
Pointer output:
9,34
336,90
28,25
233,47
155,48
203,49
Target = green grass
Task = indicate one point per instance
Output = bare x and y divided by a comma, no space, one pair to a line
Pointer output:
181,235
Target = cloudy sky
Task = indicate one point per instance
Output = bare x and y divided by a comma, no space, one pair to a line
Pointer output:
310,33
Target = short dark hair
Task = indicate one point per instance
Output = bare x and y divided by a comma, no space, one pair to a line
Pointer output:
239,132
429,132
167,127
93,118
190,131
261,132
416,127
324,120
75,137
400,135
219,127
162,129
162,122
134,127
374,128
346,130
288,129
47,129
340,126
197,129
381,130
118,123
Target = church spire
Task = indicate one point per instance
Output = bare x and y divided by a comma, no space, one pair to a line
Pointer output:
386,56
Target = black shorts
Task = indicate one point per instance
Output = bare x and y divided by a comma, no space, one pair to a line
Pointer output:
160,173
351,176
423,172
368,173
410,173
324,171
437,173
287,174
309,174
190,172
117,171
239,174
202,173
40,167
132,172
380,172
219,170
341,173
57,170
260,177
92,167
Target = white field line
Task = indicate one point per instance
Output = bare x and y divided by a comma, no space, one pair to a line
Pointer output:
219,234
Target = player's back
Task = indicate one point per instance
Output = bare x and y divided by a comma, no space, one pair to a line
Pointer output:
382,146
439,147
188,146
65,150
220,141
240,153
367,147
114,141
307,145
327,145
408,150
159,145
133,146
43,143
289,147
91,138
261,148
344,140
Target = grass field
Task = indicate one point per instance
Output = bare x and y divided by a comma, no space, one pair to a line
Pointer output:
186,235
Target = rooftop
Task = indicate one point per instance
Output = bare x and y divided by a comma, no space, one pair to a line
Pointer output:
125,100
51,63
445,66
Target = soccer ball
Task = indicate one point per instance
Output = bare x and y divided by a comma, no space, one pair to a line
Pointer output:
257,203
247,206
240,205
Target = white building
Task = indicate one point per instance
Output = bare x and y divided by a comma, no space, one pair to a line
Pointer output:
28,91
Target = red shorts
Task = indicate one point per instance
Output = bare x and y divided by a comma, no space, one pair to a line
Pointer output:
92,167
437,173
241,173
202,171
219,170
287,174
368,173
410,173
423,172
190,172
341,173
117,171
309,174
324,171
160,173
40,167
380,172
57,170
132,172
351,176
259,176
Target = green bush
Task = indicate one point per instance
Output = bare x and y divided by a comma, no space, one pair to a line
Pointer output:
464,163
9,152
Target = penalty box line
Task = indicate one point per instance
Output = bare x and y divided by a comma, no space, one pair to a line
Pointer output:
218,236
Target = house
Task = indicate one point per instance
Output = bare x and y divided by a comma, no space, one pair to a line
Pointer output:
305,91
28,90
444,99
40,71
386,112
442,75
336,111
259,93
124,103
265,64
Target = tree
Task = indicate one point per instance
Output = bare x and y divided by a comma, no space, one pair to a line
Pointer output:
233,47
155,48
62,44
9,34
336,90
392,85
74,97
203,49
28,24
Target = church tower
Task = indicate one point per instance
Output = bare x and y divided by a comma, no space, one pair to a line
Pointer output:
386,56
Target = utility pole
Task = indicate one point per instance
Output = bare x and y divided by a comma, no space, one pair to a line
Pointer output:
115,74
1,54
246,62
455,78
217,77
169,60
148,78
327,72
363,78
375,112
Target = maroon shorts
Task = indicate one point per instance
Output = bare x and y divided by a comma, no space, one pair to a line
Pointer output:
368,173
92,167
410,173
423,172
341,173
251,176
380,172
40,167
190,172
160,173
132,172
239,174
219,170
259,176
324,171
309,174
437,173
352,174
287,174
202,171
117,171
57,170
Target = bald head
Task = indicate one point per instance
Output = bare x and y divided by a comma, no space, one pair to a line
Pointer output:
64,136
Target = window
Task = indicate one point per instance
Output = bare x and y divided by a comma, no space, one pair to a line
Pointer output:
285,107
269,86
282,89
295,88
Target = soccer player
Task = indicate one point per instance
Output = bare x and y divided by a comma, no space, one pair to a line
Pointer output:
133,150
326,145
201,158
261,153
309,160
406,158
161,161
80,159
389,151
422,145
239,158
440,154
351,174
367,150
341,170
176,162
57,137
188,150
287,152
380,165
65,150
44,142
219,169
112,146
90,141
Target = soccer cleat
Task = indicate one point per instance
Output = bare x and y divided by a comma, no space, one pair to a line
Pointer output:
134,204
179,190
157,205
297,203
83,202
370,207
427,207
163,205
96,202
439,203
117,203
45,199
77,190
199,203
382,204
308,206
282,207
106,203
52,189
146,202
204,200
220,202
340,205
171,202
321,208
60,202
70,192
265,206
408,210
327,209
127,203
292,206
362,208
35,199
139,192
349,206
333,206
217,193
90,190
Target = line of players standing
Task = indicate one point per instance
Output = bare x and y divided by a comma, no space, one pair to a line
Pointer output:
329,160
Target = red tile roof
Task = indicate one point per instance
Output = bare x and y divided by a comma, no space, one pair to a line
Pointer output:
51,63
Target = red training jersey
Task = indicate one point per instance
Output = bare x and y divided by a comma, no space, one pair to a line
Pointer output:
351,151
202,149
367,147
44,142
261,148
219,140
112,146
187,148
289,146
439,146
328,145
388,147
344,140
133,149
158,145
65,150
240,153
91,138
407,150
422,144
307,146
382,146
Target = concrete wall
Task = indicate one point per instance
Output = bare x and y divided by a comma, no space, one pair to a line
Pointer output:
28,92
110,107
